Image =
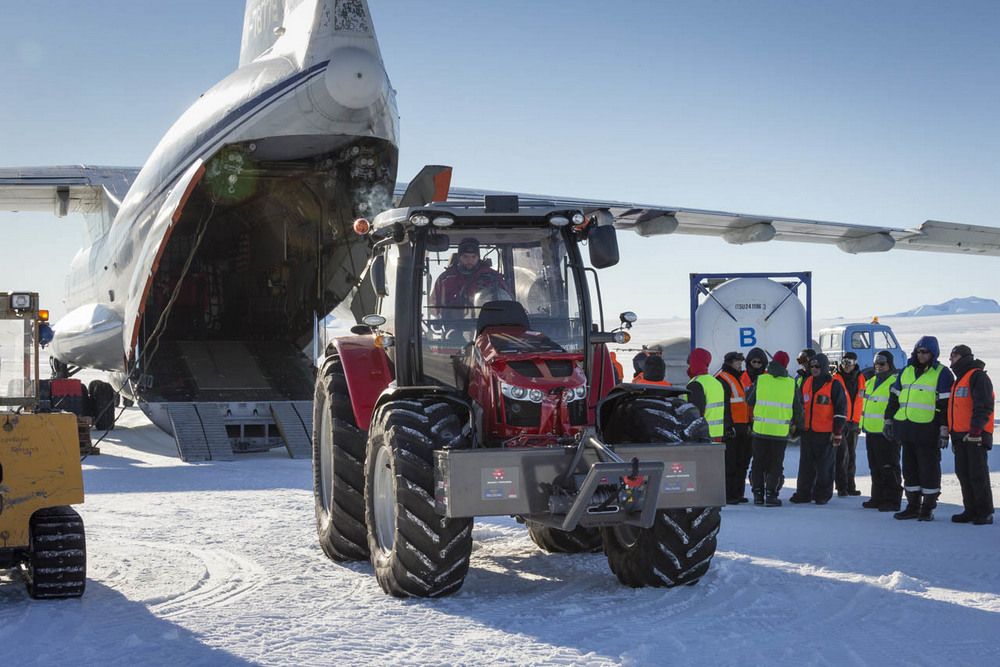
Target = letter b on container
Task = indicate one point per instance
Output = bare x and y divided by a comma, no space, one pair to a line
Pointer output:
748,337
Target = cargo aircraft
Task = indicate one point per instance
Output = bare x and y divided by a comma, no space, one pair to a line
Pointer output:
206,271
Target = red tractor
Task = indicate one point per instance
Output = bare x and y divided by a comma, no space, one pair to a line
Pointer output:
483,387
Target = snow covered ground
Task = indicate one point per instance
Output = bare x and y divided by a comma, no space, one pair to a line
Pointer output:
217,564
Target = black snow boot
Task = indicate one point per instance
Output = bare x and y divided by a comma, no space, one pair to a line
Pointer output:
912,510
927,506
872,504
963,517
758,496
772,499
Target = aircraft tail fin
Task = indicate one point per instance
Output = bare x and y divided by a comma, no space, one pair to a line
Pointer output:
430,185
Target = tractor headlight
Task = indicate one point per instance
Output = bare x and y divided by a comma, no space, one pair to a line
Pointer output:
521,393
419,220
20,301
571,394
443,221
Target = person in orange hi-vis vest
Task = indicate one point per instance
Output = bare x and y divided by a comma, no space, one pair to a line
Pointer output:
824,408
654,371
853,382
970,422
737,436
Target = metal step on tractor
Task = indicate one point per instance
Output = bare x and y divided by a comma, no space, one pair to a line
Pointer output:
483,387
40,473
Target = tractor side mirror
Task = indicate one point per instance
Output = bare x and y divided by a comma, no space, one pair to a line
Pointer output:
603,244
377,274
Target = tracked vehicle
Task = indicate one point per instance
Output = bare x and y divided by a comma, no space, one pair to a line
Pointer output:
483,387
40,474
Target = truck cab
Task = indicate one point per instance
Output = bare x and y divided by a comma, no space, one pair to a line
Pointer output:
865,339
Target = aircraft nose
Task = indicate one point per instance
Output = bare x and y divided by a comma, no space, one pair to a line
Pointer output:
354,77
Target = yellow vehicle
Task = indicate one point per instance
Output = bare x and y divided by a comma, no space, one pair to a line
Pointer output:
40,473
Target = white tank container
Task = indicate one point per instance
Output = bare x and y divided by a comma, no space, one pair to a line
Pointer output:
744,313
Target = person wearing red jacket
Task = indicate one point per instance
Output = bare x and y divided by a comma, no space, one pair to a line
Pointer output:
970,421
854,383
457,287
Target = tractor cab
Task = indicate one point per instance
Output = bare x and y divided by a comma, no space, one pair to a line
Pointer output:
497,305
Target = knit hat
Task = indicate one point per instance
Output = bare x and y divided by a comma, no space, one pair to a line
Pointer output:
962,350
468,246
781,357
655,369
731,357
886,357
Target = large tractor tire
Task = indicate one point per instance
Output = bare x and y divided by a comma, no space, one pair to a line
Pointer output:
338,468
415,551
577,541
679,547
102,404
57,560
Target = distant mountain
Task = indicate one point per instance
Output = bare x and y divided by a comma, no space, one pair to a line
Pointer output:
969,305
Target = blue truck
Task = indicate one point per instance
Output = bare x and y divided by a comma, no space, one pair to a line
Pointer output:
865,339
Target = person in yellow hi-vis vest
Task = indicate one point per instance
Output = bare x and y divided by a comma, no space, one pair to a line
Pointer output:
777,413
918,403
883,454
705,392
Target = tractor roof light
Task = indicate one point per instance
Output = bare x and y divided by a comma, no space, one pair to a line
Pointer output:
578,219
419,220
43,315
558,220
443,221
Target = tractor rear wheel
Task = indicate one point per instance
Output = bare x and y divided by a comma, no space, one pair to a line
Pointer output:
102,404
577,541
57,560
679,547
338,468
415,551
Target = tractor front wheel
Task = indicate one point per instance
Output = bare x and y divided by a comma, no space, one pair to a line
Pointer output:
679,547
415,551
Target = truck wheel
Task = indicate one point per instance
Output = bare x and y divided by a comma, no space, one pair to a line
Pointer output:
57,561
102,404
415,551
577,541
338,468
679,547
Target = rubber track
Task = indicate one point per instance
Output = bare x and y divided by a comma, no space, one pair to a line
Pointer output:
57,564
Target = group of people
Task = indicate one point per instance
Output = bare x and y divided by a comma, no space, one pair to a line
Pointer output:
907,415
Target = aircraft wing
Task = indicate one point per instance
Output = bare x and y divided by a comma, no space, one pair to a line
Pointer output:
63,190
740,228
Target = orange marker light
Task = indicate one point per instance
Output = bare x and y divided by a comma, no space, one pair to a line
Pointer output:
43,315
362,226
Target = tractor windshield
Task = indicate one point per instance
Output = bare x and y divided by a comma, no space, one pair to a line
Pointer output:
480,266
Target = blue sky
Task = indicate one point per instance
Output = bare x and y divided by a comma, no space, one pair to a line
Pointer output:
874,113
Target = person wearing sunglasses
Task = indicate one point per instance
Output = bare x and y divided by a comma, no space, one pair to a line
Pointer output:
883,453
756,366
970,417
849,375
805,357
737,436
918,403
824,407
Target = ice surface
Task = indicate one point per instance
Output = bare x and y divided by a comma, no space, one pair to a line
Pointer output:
218,564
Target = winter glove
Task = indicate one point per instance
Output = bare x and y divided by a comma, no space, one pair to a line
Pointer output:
974,437
889,431
943,437
731,434
837,439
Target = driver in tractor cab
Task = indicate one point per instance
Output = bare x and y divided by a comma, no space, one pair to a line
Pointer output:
466,277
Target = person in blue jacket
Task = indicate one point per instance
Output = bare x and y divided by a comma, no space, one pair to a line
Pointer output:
918,404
